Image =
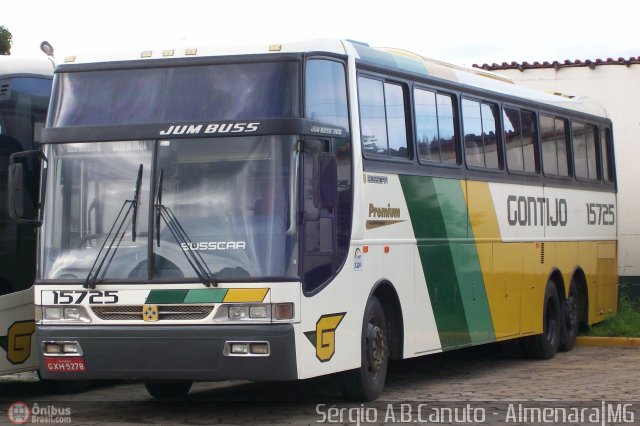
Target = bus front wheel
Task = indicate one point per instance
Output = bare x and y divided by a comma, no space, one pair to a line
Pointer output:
168,390
366,383
545,345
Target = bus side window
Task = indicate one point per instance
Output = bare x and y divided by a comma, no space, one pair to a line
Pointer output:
554,145
584,150
383,118
520,137
326,92
606,154
479,120
435,127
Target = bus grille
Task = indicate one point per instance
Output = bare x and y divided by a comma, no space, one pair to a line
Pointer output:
166,313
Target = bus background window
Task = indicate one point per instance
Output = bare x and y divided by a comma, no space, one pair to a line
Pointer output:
480,138
435,127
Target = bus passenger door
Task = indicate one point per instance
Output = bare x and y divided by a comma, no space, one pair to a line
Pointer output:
318,197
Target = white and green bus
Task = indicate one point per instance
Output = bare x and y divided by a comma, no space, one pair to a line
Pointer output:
295,210
25,86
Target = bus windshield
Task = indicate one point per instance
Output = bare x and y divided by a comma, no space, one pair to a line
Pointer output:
232,200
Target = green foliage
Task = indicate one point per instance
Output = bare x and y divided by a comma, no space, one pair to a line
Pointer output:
625,324
5,41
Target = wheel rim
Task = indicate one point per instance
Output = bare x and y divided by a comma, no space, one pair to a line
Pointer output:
376,349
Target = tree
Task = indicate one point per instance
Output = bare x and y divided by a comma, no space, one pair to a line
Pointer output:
5,41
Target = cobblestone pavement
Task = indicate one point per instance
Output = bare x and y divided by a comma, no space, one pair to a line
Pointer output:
481,377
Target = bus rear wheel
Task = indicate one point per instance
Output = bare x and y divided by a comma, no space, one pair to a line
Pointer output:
168,390
545,345
367,382
571,315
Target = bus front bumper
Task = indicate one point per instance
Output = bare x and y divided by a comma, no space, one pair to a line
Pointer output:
188,353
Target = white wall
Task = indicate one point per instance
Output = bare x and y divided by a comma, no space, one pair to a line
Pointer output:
617,89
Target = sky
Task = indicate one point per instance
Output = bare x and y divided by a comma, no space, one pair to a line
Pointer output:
458,31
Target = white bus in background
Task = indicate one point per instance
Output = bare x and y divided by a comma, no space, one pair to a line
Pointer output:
25,88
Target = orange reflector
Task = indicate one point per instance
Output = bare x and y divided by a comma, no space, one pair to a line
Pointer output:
283,311
386,249
365,249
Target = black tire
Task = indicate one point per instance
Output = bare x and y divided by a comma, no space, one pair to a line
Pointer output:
545,345
168,390
367,382
570,320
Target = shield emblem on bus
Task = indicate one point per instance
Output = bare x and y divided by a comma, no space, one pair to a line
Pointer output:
150,313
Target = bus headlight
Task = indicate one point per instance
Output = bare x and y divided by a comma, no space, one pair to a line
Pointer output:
71,314
52,313
258,312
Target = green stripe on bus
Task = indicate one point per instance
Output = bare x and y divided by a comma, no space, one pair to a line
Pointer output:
213,295
427,217
449,260
465,259
166,296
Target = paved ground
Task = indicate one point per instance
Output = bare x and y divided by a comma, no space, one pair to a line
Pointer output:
484,378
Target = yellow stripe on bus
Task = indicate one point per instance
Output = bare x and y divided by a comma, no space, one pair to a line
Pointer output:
515,273
513,277
501,266
246,295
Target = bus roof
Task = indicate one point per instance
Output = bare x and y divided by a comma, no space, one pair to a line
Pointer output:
11,65
390,58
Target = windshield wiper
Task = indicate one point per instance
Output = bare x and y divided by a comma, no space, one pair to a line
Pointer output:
119,223
136,203
194,258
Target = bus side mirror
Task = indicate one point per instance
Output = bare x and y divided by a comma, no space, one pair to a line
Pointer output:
328,179
16,191
18,203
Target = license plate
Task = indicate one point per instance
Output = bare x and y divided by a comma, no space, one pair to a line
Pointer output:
71,364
